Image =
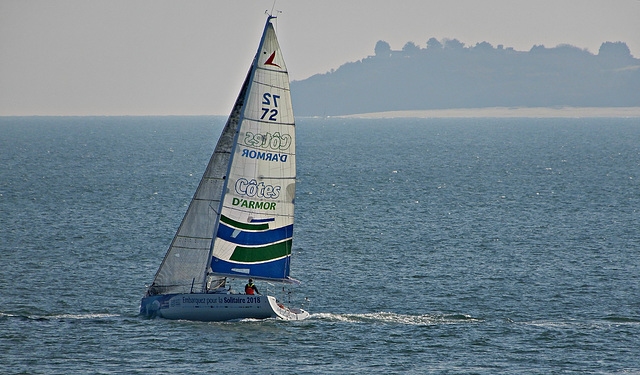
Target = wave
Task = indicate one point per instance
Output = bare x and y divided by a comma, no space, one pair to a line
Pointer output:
57,317
394,318
622,319
590,323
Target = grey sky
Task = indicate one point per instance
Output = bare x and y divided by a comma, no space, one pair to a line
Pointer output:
138,57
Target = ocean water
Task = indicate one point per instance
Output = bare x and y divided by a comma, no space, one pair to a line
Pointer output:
433,246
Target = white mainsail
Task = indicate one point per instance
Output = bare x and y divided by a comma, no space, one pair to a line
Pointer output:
240,220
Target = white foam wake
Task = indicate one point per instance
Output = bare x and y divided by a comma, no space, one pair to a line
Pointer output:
393,318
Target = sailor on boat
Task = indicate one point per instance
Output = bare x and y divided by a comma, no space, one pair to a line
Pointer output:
250,288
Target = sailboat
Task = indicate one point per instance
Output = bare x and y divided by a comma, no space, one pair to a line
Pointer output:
239,224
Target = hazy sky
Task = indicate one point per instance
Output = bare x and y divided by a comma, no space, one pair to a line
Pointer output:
138,57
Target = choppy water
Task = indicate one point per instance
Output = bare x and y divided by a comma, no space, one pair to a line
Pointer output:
426,246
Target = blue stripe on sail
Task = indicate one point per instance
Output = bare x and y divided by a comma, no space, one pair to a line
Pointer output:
240,237
263,220
276,269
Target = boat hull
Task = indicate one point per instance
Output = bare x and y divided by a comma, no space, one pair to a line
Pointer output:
217,307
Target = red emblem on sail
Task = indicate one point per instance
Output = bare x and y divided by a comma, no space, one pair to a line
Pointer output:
270,60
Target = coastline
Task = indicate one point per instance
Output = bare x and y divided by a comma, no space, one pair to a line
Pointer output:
506,112
490,112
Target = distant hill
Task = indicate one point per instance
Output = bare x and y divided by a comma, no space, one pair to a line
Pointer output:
447,75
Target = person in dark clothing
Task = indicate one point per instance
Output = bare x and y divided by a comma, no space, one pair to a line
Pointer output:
250,288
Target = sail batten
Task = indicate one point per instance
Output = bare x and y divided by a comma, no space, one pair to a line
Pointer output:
268,122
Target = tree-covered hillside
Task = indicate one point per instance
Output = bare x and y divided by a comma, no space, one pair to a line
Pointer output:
449,75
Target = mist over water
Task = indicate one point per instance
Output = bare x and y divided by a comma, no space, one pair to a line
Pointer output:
424,246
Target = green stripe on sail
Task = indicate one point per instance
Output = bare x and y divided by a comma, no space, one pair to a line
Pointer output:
261,254
240,225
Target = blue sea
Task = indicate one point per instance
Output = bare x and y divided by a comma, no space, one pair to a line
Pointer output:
425,246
